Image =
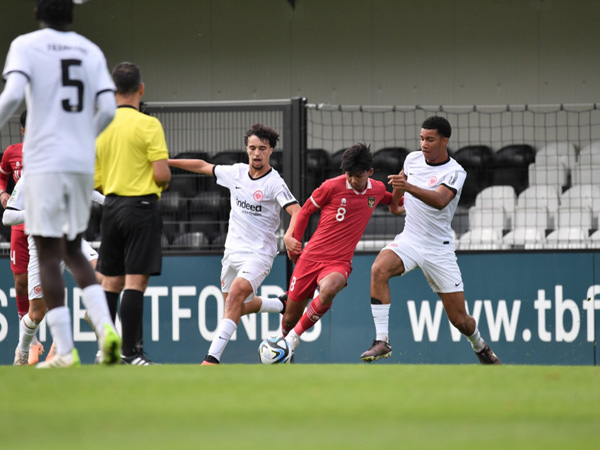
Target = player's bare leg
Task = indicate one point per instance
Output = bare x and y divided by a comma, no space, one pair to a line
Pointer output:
386,265
454,305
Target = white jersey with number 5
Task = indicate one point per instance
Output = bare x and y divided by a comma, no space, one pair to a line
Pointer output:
255,208
66,73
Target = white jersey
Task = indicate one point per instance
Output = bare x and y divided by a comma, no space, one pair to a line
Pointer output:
66,73
255,209
425,224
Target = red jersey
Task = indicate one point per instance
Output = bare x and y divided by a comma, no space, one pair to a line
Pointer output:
12,163
344,217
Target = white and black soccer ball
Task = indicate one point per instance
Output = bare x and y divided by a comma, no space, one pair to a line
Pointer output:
274,350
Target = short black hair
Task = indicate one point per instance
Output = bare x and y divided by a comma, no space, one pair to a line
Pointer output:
127,77
357,159
23,118
262,132
438,123
55,12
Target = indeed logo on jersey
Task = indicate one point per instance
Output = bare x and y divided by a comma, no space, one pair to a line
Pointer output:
248,206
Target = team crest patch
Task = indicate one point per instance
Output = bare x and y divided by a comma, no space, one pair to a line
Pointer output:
37,290
258,195
371,202
432,181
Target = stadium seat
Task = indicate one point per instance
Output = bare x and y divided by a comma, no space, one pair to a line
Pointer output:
590,154
476,160
489,218
172,206
318,167
196,240
543,196
594,240
569,217
336,160
550,174
567,238
527,238
214,201
384,225
527,217
229,157
187,183
583,196
498,197
555,152
207,222
481,239
586,173
510,166
388,161
276,161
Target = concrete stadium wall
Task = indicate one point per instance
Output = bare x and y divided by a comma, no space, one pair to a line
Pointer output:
532,308
377,52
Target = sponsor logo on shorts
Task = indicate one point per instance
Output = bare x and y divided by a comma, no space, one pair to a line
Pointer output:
371,202
432,181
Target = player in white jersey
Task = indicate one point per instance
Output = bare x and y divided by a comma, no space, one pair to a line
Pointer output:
29,324
431,182
70,100
258,193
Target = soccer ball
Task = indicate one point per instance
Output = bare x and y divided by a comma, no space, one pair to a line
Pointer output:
274,350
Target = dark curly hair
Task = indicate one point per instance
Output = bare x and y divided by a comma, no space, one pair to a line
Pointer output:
357,159
262,132
440,124
55,12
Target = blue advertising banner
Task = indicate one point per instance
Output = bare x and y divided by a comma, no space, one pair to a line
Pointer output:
531,307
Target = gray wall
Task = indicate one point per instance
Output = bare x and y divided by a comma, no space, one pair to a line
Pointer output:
373,52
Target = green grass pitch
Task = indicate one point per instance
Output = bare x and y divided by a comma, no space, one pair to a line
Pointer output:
301,407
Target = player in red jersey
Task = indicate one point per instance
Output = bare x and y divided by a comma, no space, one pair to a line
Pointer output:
346,203
12,164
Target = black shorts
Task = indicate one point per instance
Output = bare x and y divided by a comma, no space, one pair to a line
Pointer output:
131,236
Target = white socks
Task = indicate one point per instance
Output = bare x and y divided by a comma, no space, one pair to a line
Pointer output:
59,321
224,332
293,340
27,329
94,300
476,340
269,305
381,318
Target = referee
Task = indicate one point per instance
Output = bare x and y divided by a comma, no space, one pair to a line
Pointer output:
132,171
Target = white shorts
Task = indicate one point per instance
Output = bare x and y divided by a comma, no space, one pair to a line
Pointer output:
57,204
249,267
33,269
437,263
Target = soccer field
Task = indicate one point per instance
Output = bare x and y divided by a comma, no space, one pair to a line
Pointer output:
301,406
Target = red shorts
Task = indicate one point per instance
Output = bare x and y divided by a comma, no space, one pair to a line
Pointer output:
307,275
19,251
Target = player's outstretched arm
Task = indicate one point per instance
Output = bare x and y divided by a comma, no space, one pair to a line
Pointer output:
192,165
13,217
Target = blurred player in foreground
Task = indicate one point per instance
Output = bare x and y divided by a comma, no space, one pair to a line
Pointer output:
346,203
258,193
12,164
431,183
70,100
15,215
